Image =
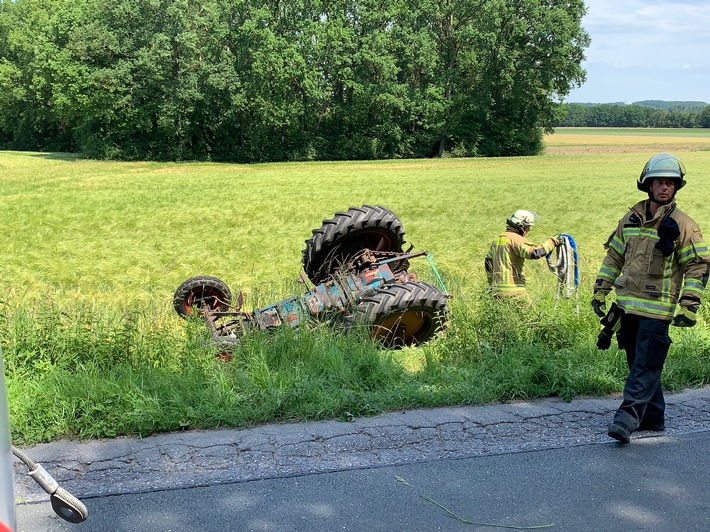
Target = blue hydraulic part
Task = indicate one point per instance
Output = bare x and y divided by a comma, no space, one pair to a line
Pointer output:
337,295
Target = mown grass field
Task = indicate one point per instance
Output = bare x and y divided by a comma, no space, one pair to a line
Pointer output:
94,250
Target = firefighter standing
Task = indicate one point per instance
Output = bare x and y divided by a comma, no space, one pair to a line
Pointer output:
506,257
655,258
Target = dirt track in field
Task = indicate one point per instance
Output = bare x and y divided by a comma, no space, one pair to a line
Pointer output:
571,144
626,148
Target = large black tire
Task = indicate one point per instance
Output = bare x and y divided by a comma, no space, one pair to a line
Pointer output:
401,315
343,236
199,292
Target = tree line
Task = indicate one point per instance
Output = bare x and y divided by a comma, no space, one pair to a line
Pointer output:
273,80
636,115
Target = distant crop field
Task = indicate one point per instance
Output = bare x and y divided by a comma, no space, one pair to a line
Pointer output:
570,140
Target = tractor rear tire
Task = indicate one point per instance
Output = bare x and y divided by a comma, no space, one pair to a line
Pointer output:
199,292
339,239
400,315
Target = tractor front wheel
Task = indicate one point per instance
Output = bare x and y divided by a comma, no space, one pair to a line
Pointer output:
201,292
400,315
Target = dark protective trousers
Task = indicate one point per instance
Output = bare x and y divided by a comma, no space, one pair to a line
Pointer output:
646,343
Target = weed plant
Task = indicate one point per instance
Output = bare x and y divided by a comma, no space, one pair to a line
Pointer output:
94,251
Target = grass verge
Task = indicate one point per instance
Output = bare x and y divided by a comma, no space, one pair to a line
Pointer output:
88,372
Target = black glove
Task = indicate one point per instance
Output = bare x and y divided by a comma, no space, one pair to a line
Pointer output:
612,323
599,303
604,339
668,233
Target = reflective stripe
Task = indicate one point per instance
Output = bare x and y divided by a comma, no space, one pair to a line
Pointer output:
609,272
508,288
657,308
667,278
693,251
686,253
617,245
639,231
693,285
630,231
525,248
603,275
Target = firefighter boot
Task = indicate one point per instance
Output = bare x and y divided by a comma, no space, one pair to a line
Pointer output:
619,432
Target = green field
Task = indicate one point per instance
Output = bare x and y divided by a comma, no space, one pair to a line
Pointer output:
94,251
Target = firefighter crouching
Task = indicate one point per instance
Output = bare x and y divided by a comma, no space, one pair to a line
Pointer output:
656,258
506,257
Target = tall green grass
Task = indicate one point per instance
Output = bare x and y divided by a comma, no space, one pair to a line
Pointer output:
94,251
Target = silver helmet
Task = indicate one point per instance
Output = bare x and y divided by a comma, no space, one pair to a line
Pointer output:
662,165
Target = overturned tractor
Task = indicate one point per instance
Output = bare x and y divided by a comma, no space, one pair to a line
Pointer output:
361,278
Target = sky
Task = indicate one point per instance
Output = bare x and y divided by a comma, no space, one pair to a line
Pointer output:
646,50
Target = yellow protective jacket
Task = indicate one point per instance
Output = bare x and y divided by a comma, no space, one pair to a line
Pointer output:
646,282
505,260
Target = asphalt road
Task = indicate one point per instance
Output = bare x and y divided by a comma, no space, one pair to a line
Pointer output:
659,482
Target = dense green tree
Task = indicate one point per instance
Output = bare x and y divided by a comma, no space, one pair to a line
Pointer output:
504,67
159,80
31,58
704,118
621,115
247,80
